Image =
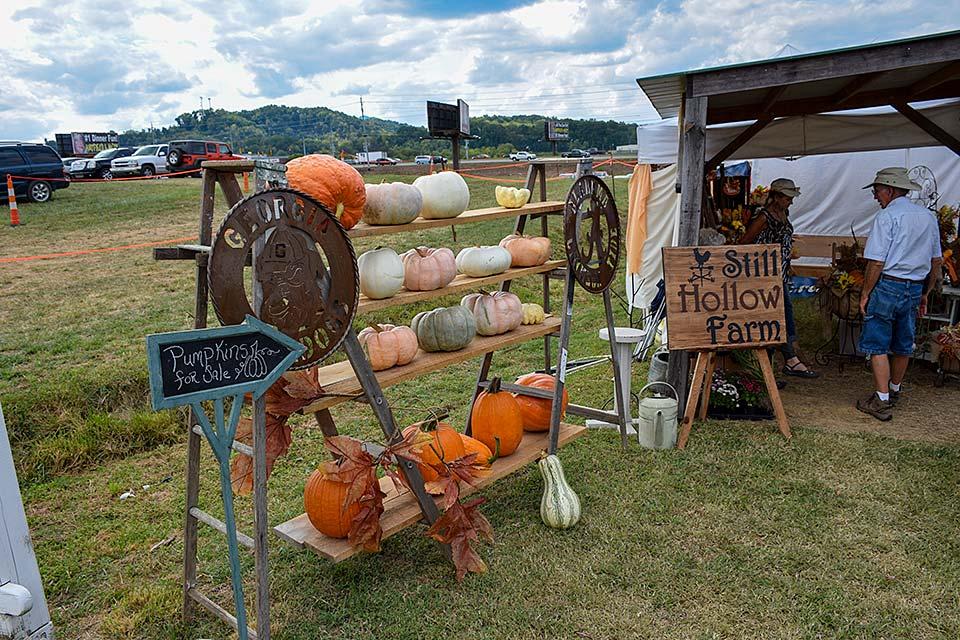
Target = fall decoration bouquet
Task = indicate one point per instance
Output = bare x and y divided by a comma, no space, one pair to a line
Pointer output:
950,241
733,223
844,284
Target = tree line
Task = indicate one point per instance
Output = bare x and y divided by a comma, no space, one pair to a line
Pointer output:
280,130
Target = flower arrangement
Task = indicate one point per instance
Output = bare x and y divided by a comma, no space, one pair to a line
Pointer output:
759,195
731,391
733,223
948,341
949,240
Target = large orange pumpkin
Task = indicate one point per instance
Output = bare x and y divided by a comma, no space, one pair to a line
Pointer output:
446,445
536,411
334,183
496,418
323,500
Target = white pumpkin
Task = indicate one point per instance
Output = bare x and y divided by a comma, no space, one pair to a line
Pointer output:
381,273
445,195
392,203
478,262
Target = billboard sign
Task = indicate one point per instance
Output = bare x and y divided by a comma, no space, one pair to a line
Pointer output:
556,130
86,143
448,119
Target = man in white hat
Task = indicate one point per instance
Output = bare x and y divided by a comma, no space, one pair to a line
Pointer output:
903,266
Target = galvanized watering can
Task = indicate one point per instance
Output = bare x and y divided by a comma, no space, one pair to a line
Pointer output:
657,423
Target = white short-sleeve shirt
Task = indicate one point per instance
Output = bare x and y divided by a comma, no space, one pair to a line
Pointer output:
905,237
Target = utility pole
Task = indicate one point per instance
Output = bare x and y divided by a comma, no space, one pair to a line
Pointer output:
201,103
363,126
304,141
209,104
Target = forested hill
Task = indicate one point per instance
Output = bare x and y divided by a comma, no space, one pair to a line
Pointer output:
287,130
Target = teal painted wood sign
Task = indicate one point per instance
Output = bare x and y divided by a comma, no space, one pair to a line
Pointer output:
189,367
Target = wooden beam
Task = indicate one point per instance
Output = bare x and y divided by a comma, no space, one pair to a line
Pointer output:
836,64
738,142
771,98
787,108
932,128
935,79
693,142
854,87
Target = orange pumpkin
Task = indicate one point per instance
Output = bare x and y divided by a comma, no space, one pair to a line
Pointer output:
446,445
335,184
526,251
536,411
472,445
386,345
323,500
496,418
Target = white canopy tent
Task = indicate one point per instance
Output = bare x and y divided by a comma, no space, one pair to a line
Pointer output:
831,169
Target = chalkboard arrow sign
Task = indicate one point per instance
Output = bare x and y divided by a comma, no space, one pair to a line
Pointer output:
205,364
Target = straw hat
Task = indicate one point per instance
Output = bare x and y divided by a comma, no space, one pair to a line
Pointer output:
894,177
785,186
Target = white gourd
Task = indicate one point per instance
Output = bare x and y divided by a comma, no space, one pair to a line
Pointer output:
381,273
445,195
532,313
478,262
559,506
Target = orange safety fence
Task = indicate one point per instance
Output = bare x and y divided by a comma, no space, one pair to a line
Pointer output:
83,252
153,177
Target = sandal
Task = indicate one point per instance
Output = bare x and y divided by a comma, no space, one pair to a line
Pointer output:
800,373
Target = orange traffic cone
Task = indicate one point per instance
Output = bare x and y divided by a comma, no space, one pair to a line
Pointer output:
12,199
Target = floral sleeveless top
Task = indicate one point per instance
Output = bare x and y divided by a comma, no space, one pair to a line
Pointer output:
779,232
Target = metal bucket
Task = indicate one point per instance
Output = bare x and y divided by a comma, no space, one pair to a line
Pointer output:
658,367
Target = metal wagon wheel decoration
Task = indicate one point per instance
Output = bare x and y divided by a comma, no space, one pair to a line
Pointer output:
591,233
927,196
307,270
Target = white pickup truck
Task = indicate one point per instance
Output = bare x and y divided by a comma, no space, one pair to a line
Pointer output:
148,160
517,156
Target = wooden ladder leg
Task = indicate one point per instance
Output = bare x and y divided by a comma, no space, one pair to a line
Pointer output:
773,392
205,236
561,375
326,423
699,371
707,383
482,375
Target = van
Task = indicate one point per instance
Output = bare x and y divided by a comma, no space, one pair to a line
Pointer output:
423,159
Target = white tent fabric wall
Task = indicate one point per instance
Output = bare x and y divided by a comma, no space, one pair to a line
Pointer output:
831,197
663,225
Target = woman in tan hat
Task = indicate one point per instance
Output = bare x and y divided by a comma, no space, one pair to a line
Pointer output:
771,225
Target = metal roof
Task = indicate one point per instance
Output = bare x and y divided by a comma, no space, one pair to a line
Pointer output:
912,69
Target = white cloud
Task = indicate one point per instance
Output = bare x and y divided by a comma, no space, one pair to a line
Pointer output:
126,64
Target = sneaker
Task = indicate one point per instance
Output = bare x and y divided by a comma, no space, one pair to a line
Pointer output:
875,407
894,397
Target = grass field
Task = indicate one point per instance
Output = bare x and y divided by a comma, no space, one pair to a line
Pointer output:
742,535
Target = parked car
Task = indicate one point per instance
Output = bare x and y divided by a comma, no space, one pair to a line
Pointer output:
99,165
575,153
386,160
37,169
429,159
148,160
594,150
482,156
185,155
518,156
66,165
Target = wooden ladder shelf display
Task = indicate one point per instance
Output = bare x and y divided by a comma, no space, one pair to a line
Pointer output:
353,379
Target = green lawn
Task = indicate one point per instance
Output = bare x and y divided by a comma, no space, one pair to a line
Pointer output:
742,535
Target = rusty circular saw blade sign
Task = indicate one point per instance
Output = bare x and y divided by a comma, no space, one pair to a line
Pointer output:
307,270
591,233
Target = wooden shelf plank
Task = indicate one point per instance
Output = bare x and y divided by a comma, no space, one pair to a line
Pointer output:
460,284
340,379
400,507
363,230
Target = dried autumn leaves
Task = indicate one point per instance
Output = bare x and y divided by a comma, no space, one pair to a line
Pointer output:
460,525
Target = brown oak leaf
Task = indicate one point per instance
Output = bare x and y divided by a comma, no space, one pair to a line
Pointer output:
365,529
278,442
353,466
279,402
460,525
303,385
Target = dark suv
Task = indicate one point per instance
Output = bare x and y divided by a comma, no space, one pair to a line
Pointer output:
99,165
185,155
37,169
575,153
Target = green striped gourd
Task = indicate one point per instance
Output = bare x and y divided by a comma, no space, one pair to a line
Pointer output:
560,506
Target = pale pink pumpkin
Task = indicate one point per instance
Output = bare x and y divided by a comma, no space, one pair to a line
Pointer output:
495,313
386,345
426,269
526,251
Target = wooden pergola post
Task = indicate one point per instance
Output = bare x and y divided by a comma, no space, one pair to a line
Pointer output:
693,139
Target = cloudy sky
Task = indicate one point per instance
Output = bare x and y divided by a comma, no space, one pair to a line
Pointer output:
95,66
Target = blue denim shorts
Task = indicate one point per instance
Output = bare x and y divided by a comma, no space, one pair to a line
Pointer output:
891,319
